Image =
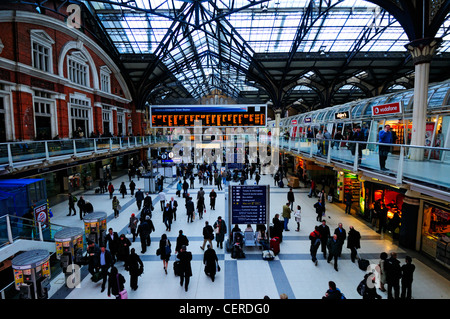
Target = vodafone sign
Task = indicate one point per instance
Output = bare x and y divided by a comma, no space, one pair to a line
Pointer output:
384,109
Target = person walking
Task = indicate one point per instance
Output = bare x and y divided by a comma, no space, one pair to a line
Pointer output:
185,258
353,242
382,270
165,251
123,189
81,206
257,178
384,136
220,230
144,230
173,205
341,236
168,217
212,199
312,189
135,268
162,200
211,262
393,275
116,206
72,200
190,209
115,283
201,207
110,190
123,250
104,261
298,216
334,247
132,187
132,225
286,216
314,237
182,240
320,210
325,234
291,198
208,235
407,278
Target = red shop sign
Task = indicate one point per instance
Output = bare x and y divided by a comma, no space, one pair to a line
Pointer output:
384,109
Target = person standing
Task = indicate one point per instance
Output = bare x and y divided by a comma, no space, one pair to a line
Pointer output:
353,242
174,206
286,216
143,231
312,189
298,217
81,203
208,235
133,226
220,230
315,239
168,217
407,278
201,206
123,250
334,247
116,206
162,200
212,199
185,258
325,234
382,269
71,205
112,240
393,275
165,251
211,262
348,202
291,198
135,268
384,136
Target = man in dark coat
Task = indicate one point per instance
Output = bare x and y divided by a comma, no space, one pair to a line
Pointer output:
325,234
341,236
315,239
143,231
334,247
291,198
212,199
112,239
190,208
139,198
210,260
393,275
353,242
185,258
81,204
135,267
104,262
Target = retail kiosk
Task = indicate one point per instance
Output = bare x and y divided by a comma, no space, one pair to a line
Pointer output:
95,226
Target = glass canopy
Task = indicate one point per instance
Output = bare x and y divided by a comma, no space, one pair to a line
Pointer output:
210,44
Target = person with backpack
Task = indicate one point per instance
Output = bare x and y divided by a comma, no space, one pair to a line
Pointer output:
314,237
333,293
367,289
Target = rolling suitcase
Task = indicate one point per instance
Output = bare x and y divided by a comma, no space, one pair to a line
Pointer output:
97,276
176,268
275,245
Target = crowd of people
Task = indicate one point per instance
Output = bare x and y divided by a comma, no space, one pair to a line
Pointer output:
191,200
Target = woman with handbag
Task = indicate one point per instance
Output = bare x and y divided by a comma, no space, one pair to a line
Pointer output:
116,284
164,251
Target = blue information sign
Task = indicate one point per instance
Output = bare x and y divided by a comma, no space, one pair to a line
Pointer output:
248,204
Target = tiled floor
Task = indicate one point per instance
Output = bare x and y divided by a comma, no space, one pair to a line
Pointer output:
292,271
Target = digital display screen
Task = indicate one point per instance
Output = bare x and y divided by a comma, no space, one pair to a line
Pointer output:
248,204
210,115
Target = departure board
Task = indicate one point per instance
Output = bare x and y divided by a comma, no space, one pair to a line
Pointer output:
249,204
210,115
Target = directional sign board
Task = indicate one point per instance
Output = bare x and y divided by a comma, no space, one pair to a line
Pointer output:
249,204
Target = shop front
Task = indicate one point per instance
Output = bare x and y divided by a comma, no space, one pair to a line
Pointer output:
436,232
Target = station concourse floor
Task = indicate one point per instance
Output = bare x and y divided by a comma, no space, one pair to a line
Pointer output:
291,272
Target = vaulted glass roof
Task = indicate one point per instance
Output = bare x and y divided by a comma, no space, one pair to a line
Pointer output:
211,44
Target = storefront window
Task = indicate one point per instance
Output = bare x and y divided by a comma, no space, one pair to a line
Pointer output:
436,221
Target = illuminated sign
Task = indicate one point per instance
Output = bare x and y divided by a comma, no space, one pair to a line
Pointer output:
341,115
307,120
210,115
384,109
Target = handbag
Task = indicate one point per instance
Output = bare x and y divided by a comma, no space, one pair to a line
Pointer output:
216,230
122,294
